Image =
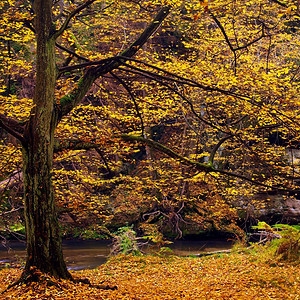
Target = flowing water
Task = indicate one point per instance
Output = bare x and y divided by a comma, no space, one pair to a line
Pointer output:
91,254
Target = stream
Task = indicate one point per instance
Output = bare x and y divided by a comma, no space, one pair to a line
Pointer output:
89,254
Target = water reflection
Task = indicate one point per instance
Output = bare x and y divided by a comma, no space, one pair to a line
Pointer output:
194,247
91,254
81,255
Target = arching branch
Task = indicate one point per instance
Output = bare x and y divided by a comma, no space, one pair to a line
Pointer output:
13,127
197,165
68,102
11,181
75,144
216,147
71,52
70,16
125,85
168,151
98,63
276,113
180,79
279,3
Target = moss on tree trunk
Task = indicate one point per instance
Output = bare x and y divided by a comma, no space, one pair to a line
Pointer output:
44,248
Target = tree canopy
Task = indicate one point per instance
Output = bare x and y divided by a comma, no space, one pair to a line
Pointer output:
163,112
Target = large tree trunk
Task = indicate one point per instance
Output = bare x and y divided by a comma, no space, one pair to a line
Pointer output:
44,249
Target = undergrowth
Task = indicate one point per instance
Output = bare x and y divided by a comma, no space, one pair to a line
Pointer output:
278,243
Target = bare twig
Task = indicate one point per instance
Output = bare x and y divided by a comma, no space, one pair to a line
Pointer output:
70,16
11,211
125,85
71,52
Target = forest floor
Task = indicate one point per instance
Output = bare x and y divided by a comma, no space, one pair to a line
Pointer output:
227,276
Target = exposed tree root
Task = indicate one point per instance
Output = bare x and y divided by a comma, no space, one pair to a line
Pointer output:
35,275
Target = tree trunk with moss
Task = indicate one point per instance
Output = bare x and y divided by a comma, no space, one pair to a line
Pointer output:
44,249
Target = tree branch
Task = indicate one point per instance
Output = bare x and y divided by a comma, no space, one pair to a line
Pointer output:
235,49
84,65
124,84
70,16
280,3
13,127
68,102
193,83
110,172
182,80
71,52
168,151
61,145
195,164
10,182
175,91
223,31
216,147
11,211
72,144
147,33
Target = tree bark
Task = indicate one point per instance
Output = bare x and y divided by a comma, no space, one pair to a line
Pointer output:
44,249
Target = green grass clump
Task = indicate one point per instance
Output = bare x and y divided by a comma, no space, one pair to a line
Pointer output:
281,243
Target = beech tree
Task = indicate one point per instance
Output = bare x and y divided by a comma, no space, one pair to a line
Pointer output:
44,250
224,100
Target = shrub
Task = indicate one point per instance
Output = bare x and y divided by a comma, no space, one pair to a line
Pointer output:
125,241
280,242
